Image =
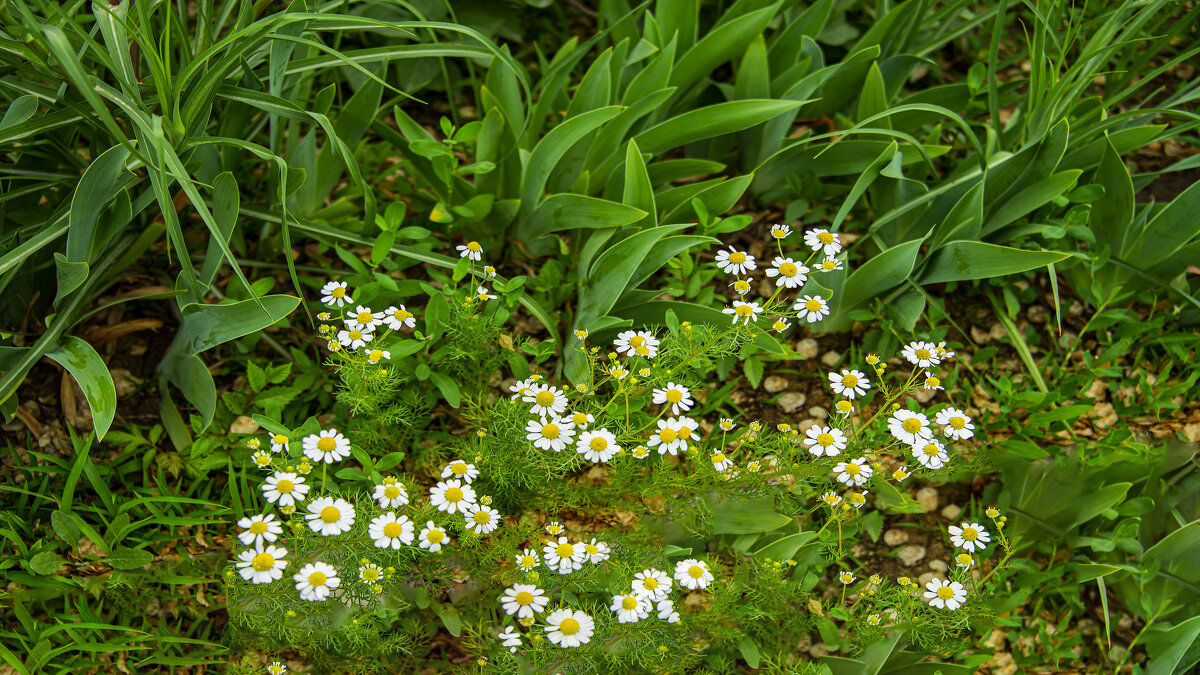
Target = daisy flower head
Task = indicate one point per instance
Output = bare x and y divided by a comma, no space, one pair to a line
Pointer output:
849,383
721,461
554,433
956,424
452,496
261,459
528,559
315,581
844,408
279,442
482,519
276,668
652,584
580,420
630,608
390,494
598,445
353,338
969,537
258,529
812,308
399,317
640,452
461,470
618,373
874,619
489,271
370,573
555,528
964,560
524,600
546,400
377,355
329,517
830,264
846,578
327,446
825,441
262,565
791,273
992,512
520,388
666,611
641,343
510,638
284,488
364,319
900,474
471,250
824,241
567,628
675,395
335,294
921,354
857,499
830,499
693,574
780,324
741,286
734,261
910,428
944,351
482,295
390,531
726,424
945,594
933,383
596,551
854,472
432,538
931,454
744,312
563,556
673,435
779,230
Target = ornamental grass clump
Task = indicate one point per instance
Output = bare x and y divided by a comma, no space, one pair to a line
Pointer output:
618,521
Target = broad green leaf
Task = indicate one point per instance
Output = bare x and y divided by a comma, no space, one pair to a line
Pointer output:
89,370
46,563
206,326
96,187
570,212
638,191
711,121
1031,198
552,147
448,387
962,260
1170,229
191,376
873,99
225,213
746,516
719,46
68,276
610,274
1173,649
125,558
785,547
874,277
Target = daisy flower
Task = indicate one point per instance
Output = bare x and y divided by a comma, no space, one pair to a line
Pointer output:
854,472
482,519
276,668
931,454
735,262
284,488
471,250
336,294
581,420
527,559
452,496
327,446
741,286
390,494
672,435
780,324
370,573
315,581
830,499
489,271
482,295
666,611
364,319
823,240
744,312
377,355
599,445
791,273
390,531
957,425
640,343
970,537
900,474
640,452
550,434
829,264
262,565
944,351
964,560
849,383
992,512
874,619
945,594
461,470
328,517
720,462
726,424
910,428
812,308
261,459
618,373
844,408
510,639
857,499
279,442
630,608
921,354
933,383
652,584
825,441
546,400
433,538
779,230
596,551
675,395
524,600
846,578
693,574
567,628
520,388
353,338
554,528
563,556
259,529
399,317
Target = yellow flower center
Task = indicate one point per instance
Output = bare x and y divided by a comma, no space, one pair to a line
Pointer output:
779,325
718,457
375,355
523,598
285,486
591,549
258,527
650,583
599,443
684,433
473,246
544,398
454,495
339,292
579,419
356,335
327,444
565,550
853,469
737,258
629,602
970,534
829,265
262,562
393,530
741,285
459,468
316,579
825,440
279,439
568,627
788,269
330,514
825,237
370,574
958,422
849,381
812,305
261,459
391,492
923,354
945,592
550,431
482,517
401,314
963,558
364,317
528,561
778,233
931,450
667,435
912,425
695,571
435,536
744,310
845,406
637,341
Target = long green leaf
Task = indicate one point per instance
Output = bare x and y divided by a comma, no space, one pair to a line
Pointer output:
89,370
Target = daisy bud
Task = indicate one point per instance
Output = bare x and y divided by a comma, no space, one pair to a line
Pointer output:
581,334
992,512
323,316
253,443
